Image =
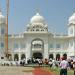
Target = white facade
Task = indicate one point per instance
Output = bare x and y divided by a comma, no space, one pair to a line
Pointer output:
37,41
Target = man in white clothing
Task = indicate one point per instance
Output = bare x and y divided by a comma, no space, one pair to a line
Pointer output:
63,65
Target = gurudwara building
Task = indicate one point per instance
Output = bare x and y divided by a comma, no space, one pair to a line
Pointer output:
36,41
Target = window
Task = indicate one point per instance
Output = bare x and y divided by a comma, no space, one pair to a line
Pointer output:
57,45
37,29
22,45
71,31
2,31
42,30
71,43
37,45
15,45
2,45
50,46
2,57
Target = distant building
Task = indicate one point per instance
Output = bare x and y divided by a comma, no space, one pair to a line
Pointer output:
37,41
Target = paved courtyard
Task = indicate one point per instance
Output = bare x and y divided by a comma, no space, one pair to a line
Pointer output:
13,70
18,70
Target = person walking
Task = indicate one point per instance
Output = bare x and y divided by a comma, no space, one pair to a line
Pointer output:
63,66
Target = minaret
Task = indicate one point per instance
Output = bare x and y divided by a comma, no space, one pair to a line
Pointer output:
71,25
71,33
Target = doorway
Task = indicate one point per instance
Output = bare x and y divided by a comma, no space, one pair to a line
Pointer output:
37,55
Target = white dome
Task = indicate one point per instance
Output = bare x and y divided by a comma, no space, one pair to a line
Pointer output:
72,18
2,18
37,23
37,19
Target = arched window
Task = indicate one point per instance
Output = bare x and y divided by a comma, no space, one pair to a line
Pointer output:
51,56
58,57
16,58
37,29
37,44
37,55
65,56
23,56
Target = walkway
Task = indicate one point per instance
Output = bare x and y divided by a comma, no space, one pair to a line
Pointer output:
15,70
40,71
18,70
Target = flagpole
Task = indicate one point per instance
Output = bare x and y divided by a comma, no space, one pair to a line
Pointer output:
6,34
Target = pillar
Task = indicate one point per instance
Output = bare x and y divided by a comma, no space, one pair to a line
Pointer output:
46,55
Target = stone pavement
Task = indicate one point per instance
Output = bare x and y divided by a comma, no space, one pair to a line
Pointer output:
18,70
13,70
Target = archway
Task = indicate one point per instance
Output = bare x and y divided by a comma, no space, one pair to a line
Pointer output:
16,58
37,45
37,55
58,57
65,56
51,56
23,56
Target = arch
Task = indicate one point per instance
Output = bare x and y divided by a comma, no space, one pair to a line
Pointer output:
37,47
37,43
23,56
16,58
37,55
37,39
57,56
51,56
65,55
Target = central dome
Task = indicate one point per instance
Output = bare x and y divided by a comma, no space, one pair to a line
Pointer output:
37,24
37,19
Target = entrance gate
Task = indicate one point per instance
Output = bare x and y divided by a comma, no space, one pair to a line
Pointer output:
37,55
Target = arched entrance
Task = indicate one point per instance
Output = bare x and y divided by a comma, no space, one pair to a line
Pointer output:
58,57
16,58
37,55
23,56
65,56
51,56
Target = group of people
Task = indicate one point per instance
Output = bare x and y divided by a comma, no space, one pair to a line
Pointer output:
64,64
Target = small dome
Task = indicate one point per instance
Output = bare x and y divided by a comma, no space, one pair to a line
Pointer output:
37,19
72,18
2,18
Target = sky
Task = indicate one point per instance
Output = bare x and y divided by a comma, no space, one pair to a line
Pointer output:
55,12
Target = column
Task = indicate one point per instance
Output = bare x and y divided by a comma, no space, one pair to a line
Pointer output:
12,56
28,51
54,54
19,56
46,55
